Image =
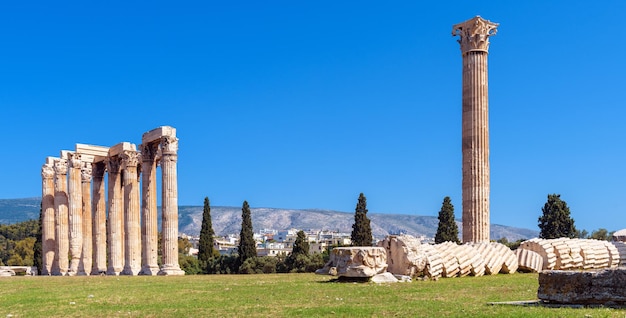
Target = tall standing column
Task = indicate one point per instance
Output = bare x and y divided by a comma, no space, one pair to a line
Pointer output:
98,206
115,210
149,228
47,218
75,212
474,39
62,248
84,267
132,237
169,148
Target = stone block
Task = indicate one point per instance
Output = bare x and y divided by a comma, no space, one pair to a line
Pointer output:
603,287
121,147
356,261
91,153
405,255
157,133
385,277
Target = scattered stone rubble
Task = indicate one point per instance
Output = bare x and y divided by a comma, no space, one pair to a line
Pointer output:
406,256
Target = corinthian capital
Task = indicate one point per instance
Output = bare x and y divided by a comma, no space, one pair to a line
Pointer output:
113,164
149,151
169,145
60,167
85,172
474,34
47,172
75,160
130,158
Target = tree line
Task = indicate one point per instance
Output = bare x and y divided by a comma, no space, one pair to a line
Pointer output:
20,243
246,261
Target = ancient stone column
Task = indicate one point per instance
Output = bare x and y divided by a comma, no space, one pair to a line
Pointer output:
47,218
149,228
84,267
75,212
169,148
132,238
99,220
115,211
61,218
474,39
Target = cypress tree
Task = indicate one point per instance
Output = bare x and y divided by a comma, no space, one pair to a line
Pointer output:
205,244
556,221
300,246
300,250
37,253
361,229
447,229
247,246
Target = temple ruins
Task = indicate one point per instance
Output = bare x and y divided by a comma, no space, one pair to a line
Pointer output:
474,39
85,232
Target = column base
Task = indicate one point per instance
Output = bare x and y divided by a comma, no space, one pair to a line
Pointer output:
171,271
96,272
130,271
149,270
114,272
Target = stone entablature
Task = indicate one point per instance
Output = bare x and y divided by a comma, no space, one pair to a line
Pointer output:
74,208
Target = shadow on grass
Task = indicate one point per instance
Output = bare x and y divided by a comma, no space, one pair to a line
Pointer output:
343,279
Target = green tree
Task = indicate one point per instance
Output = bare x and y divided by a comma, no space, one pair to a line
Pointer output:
556,221
601,234
37,254
361,229
247,245
300,251
582,234
206,250
447,229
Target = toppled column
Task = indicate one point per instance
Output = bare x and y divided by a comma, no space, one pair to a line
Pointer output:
61,263
47,219
356,261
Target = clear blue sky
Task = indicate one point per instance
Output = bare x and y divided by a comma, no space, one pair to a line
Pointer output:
304,105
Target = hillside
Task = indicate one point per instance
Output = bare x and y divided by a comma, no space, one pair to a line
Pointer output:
228,220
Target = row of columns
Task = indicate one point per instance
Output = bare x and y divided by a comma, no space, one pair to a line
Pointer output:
76,238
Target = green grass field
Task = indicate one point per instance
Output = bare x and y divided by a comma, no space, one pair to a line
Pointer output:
276,295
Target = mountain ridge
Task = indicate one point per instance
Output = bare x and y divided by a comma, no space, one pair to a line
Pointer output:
227,220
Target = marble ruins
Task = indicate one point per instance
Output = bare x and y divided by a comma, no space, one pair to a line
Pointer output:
406,256
357,261
75,234
474,39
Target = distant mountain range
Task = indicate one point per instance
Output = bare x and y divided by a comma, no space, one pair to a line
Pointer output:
227,220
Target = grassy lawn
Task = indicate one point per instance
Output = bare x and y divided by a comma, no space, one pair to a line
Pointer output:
279,295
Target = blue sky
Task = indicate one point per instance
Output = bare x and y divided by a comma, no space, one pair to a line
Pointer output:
306,104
